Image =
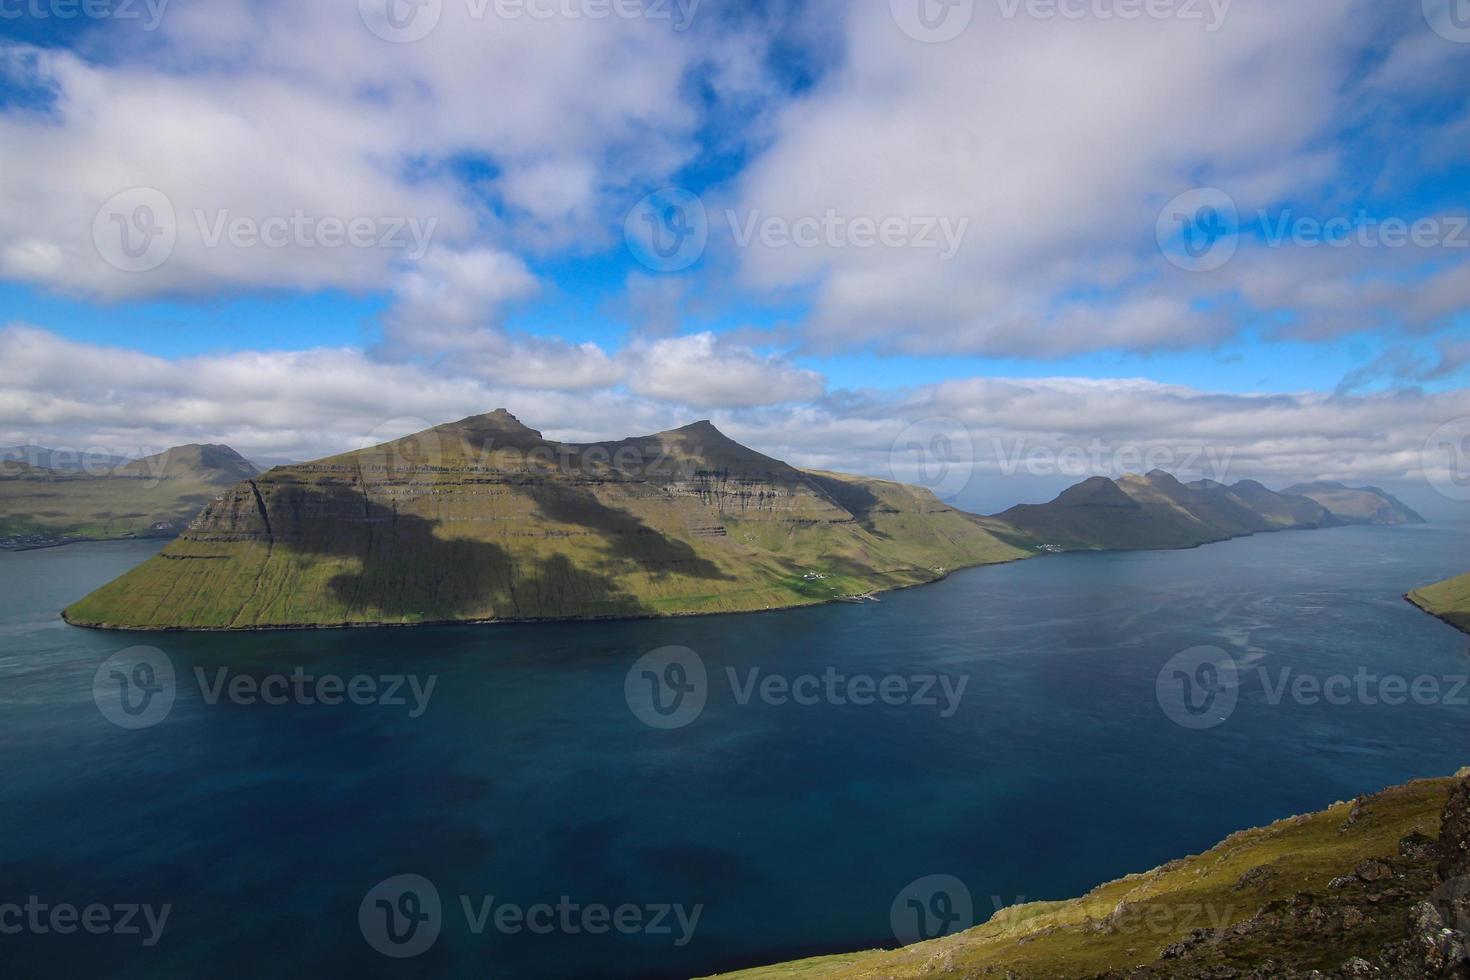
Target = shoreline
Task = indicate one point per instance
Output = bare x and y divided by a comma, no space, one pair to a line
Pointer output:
1418,604
622,617
285,627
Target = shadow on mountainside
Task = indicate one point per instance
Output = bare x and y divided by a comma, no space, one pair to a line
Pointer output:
407,571
628,538
856,499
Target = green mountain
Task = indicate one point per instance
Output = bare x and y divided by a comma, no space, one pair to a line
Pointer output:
1157,511
485,519
152,497
1374,887
1357,505
1449,600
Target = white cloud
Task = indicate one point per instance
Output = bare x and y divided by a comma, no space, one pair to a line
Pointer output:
1059,141
700,371
308,404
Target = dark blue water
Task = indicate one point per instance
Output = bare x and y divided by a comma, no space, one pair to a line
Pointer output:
529,778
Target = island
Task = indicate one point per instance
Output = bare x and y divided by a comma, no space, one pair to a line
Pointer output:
486,520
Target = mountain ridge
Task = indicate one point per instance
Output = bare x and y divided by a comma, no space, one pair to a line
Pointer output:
1156,510
484,519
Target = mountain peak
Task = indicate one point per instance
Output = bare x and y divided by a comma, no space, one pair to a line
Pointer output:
499,422
209,462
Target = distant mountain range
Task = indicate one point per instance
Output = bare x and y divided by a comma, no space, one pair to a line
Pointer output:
485,519
1157,511
152,497
1357,505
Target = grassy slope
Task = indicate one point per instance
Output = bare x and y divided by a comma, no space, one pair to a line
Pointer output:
172,487
1128,922
359,539
1449,600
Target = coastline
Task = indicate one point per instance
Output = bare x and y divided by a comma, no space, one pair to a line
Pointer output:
283,627
515,621
1413,599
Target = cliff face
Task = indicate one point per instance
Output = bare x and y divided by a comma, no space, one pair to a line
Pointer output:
1449,600
485,519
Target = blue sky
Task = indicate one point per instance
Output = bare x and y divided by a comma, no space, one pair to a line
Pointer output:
1069,159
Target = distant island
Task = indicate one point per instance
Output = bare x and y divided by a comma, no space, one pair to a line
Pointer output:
49,498
486,520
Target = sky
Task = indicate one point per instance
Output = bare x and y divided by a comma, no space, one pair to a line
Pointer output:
992,245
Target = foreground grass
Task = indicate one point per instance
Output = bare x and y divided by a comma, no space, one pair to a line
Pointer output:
1127,923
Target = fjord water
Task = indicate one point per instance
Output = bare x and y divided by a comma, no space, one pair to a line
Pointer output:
528,777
